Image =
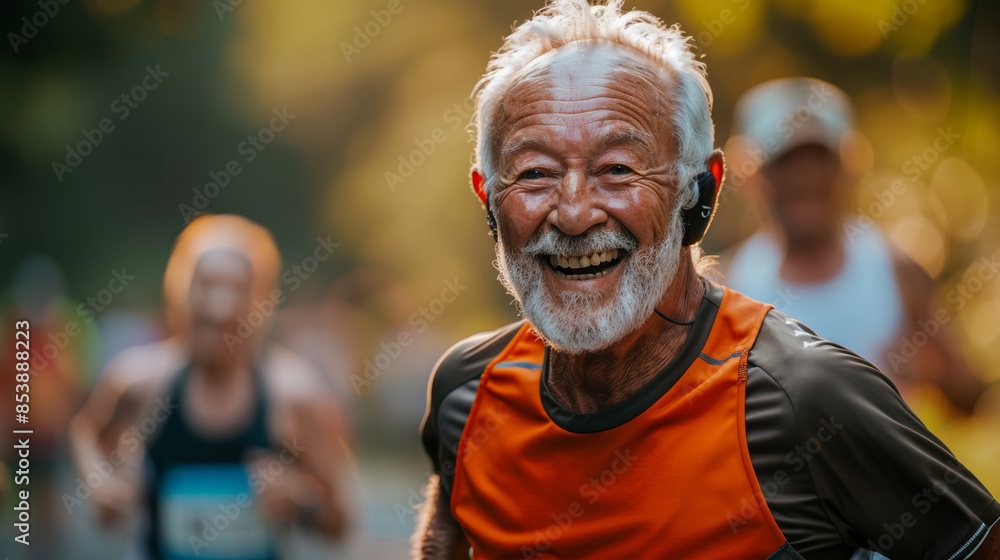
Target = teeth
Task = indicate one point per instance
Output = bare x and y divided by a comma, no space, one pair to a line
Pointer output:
583,261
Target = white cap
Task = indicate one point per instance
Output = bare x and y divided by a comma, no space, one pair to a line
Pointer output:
782,114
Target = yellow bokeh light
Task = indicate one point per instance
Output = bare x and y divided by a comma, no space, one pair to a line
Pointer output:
981,323
922,241
888,198
849,27
722,27
960,198
856,153
915,25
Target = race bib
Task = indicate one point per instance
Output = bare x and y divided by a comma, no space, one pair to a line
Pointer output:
208,512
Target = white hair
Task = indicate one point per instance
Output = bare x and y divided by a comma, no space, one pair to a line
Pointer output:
563,22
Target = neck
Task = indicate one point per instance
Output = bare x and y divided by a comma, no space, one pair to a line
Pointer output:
594,381
809,261
212,374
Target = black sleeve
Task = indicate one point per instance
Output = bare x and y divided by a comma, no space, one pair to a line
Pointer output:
884,481
451,392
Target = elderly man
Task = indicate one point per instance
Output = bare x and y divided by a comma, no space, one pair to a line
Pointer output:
641,411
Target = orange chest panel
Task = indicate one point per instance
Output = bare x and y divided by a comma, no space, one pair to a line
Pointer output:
673,482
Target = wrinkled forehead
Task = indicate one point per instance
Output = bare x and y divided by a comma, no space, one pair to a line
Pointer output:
629,81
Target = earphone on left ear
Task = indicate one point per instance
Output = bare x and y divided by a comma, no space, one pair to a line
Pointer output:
699,217
696,219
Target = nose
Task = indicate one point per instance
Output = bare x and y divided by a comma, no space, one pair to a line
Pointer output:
220,307
578,206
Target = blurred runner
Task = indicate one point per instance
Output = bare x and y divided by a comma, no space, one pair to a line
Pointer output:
836,273
225,441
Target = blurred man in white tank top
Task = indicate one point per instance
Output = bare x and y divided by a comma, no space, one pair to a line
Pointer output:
814,260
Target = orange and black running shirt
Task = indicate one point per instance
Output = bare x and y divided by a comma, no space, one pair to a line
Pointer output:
759,440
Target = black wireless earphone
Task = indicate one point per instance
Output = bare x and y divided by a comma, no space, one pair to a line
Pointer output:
696,219
491,221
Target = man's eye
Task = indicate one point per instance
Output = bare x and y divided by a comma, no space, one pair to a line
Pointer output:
532,174
619,169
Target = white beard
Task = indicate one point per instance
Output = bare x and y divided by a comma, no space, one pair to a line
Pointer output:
581,321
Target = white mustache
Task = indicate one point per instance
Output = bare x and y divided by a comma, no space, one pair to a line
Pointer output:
578,321
555,242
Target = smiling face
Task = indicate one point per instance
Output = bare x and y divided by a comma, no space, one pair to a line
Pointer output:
805,190
220,294
589,233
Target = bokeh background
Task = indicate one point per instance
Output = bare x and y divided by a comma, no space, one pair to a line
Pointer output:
374,156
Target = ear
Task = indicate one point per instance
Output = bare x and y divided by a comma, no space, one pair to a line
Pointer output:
716,163
477,185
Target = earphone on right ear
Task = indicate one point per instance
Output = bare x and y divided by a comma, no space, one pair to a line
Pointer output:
696,219
491,220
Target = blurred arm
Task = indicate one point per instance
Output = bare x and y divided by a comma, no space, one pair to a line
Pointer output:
310,448
438,535
86,427
322,462
937,362
95,433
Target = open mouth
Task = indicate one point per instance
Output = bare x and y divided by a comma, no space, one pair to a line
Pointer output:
585,267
